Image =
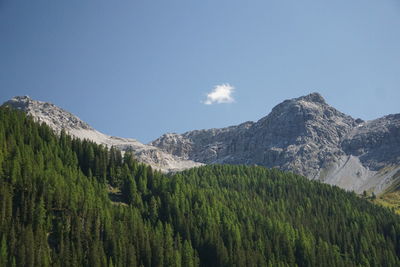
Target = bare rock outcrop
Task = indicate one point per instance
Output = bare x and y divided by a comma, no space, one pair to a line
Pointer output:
304,135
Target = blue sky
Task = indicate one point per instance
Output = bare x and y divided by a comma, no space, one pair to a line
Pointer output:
142,68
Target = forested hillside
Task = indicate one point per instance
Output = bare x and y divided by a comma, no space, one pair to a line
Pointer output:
66,202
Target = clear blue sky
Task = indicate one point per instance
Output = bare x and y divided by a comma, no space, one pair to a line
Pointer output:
142,68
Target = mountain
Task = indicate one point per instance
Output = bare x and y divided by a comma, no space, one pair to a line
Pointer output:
59,119
307,136
304,135
67,202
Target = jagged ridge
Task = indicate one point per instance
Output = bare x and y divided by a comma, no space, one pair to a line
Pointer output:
304,135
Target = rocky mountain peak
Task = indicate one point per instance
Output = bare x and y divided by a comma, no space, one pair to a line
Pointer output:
308,117
313,98
20,102
313,102
57,118
21,98
304,135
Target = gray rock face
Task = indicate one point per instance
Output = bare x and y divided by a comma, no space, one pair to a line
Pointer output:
377,142
59,119
48,113
304,135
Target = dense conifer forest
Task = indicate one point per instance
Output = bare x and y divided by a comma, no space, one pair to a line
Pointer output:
67,202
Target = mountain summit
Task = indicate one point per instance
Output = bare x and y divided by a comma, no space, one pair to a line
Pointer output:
304,135
50,114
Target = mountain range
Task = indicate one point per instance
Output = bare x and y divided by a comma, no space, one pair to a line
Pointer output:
304,135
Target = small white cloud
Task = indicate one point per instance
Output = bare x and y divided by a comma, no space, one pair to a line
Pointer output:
220,94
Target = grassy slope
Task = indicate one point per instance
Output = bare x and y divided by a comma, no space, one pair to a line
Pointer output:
390,200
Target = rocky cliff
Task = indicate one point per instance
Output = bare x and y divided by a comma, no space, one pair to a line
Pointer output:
304,135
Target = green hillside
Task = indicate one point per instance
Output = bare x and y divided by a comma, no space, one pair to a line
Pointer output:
66,202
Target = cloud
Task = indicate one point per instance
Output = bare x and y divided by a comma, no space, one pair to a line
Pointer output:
220,94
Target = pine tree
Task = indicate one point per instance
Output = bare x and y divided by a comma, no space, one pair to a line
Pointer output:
3,252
